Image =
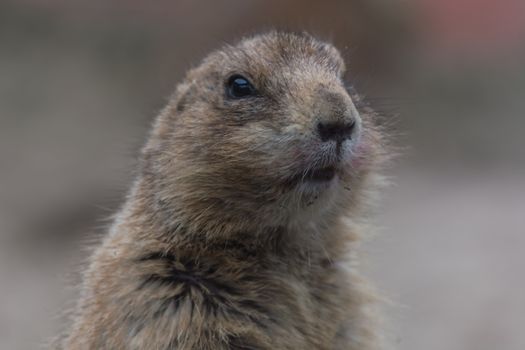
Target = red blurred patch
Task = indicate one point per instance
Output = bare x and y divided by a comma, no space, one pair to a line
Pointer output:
472,25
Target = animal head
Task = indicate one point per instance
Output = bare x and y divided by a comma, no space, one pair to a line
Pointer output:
260,133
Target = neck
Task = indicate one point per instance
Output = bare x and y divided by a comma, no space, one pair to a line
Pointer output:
168,228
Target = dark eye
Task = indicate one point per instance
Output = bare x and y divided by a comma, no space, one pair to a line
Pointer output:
239,87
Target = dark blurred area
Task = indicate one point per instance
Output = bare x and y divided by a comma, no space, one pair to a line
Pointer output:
80,83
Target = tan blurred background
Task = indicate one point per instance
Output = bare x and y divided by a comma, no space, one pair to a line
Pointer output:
81,81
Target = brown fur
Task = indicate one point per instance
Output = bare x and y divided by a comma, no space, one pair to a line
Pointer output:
222,244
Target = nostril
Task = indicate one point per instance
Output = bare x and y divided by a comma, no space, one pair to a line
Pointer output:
348,129
336,131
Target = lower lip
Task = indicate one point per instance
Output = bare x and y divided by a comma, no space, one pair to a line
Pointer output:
320,175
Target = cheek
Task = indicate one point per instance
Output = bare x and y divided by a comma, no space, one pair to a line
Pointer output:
282,155
304,153
278,149
254,143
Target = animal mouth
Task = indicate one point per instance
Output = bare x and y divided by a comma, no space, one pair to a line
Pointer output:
313,176
319,174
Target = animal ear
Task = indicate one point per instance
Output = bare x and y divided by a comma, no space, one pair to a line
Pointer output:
182,97
335,58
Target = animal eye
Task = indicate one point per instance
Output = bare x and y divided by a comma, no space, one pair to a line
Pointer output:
239,87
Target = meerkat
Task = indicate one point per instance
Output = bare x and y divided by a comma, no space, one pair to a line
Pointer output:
240,230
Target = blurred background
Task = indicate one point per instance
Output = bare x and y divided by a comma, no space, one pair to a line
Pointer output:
81,81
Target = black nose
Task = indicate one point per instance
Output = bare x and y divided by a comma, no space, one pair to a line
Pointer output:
336,131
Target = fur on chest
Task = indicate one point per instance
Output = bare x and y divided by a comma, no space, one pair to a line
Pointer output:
269,300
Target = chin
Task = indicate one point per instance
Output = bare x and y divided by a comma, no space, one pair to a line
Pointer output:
318,195
310,202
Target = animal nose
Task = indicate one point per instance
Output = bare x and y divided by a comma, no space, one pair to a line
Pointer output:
336,131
